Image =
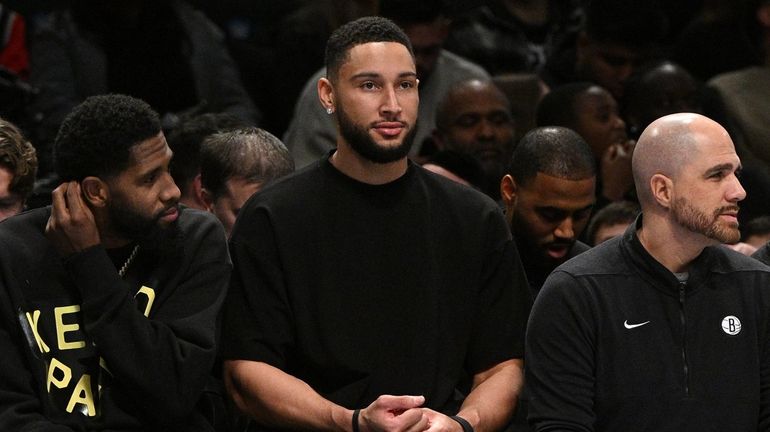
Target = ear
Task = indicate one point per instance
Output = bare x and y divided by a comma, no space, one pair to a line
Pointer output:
763,15
197,190
95,191
207,199
662,190
326,94
508,191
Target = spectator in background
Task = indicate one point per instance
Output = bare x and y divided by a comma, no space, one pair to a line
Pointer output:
160,51
18,166
185,141
619,35
235,165
514,36
548,194
312,133
474,118
746,97
592,112
717,38
756,232
658,89
611,221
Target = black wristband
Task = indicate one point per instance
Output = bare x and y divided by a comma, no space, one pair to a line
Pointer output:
463,423
356,412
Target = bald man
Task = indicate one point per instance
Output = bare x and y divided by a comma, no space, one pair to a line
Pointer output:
661,329
475,118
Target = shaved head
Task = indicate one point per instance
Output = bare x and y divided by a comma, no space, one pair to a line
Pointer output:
667,144
459,94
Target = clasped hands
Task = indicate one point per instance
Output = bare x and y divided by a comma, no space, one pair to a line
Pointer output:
403,413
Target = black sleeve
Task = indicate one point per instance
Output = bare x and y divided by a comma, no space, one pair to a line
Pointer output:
257,322
559,361
164,360
504,302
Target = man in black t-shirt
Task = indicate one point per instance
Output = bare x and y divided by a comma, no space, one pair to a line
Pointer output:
367,288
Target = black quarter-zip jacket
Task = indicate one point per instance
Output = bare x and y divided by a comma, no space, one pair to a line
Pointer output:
616,342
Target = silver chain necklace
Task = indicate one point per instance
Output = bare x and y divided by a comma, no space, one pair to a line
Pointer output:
128,262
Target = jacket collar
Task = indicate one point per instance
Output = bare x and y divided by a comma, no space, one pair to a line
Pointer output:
654,272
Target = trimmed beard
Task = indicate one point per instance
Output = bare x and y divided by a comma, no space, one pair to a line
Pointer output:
534,253
363,144
147,232
686,215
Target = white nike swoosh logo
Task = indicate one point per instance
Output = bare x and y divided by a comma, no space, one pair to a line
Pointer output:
630,326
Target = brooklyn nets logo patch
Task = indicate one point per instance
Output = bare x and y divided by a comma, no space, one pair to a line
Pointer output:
731,325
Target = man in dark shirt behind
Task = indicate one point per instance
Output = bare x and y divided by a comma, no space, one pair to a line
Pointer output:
548,195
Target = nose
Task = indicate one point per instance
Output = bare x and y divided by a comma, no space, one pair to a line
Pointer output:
170,192
486,130
390,103
736,192
618,122
565,229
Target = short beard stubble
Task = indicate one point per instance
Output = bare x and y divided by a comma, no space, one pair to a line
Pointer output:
686,215
362,143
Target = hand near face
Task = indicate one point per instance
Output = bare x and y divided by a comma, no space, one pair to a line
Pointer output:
617,177
394,413
71,227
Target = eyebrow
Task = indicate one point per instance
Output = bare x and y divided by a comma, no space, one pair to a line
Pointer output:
588,207
378,75
722,167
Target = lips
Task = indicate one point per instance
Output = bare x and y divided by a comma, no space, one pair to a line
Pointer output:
170,215
729,213
557,251
389,129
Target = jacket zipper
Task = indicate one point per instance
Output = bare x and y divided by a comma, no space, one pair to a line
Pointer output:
684,339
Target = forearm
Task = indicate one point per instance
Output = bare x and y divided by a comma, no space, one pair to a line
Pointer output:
171,352
491,402
273,397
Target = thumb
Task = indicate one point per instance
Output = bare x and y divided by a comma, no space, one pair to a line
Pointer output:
402,402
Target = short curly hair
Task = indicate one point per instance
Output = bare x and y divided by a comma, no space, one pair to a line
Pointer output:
95,139
19,157
358,32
